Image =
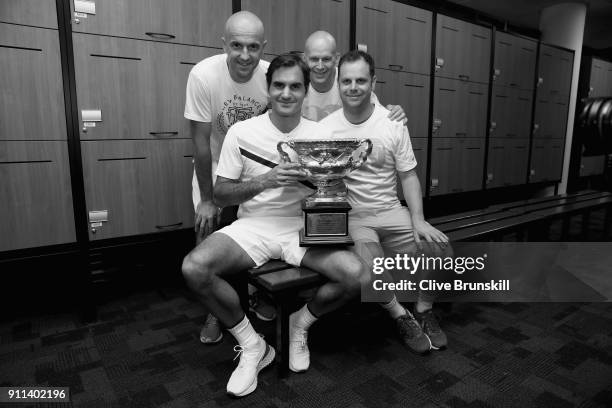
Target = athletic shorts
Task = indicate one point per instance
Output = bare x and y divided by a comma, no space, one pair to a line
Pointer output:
268,238
392,228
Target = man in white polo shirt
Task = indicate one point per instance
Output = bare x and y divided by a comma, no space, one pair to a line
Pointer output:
378,220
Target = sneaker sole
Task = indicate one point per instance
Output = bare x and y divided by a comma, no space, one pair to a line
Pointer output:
424,352
260,316
204,340
265,361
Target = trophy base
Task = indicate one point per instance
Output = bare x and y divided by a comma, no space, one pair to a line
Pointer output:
324,240
325,223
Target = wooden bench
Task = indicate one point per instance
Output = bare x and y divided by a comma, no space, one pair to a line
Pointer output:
283,282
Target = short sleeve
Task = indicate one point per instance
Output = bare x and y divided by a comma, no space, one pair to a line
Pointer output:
402,149
230,160
197,99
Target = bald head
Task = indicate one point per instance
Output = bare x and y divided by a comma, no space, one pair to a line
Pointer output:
320,40
244,23
321,56
243,42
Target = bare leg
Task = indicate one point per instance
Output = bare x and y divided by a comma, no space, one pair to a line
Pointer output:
203,269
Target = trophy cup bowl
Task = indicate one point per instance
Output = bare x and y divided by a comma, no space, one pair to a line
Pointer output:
326,162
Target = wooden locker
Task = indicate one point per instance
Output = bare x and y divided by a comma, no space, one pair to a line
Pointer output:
195,22
462,50
138,86
559,113
411,91
544,120
460,108
564,71
524,104
39,13
456,165
547,70
597,78
289,22
144,185
546,160
525,62
398,36
502,112
419,147
515,61
36,204
32,97
507,162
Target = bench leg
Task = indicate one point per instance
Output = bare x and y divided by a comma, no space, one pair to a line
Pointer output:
282,337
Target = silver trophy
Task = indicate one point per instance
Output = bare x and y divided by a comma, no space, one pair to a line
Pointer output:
326,162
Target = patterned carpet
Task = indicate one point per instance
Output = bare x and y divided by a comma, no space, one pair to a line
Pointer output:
144,352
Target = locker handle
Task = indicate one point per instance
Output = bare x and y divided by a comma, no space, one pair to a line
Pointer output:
163,133
396,67
464,77
161,36
460,134
170,226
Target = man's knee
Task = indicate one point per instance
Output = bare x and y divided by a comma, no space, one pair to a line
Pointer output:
434,249
354,274
198,268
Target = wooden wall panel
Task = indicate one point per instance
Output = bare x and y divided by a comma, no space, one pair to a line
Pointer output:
36,204
144,185
31,96
289,22
39,13
138,86
195,22
378,25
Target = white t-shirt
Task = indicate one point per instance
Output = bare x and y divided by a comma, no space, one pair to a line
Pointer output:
213,96
254,140
373,185
318,105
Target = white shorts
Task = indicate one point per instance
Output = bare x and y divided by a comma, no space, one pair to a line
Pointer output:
268,238
195,187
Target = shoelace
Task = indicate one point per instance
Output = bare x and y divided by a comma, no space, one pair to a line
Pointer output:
413,324
430,322
239,350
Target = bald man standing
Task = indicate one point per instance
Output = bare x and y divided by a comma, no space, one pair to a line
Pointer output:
222,90
323,98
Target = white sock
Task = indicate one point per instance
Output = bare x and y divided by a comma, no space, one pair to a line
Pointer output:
244,333
303,318
394,308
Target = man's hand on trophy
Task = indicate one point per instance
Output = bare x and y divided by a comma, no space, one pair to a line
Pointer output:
284,174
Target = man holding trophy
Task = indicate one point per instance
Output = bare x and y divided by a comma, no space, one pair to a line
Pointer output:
378,220
270,194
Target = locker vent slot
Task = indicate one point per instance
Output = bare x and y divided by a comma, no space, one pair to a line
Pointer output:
472,148
187,63
528,49
414,86
123,158
447,89
116,57
450,28
482,37
475,93
416,19
20,48
505,43
26,161
374,9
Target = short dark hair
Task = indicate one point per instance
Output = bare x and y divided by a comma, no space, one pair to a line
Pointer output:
356,55
288,61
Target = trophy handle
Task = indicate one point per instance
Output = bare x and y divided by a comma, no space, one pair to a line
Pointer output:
283,154
363,155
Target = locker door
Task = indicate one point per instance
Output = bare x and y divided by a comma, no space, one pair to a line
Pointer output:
597,80
478,58
544,119
411,91
35,175
504,65
374,29
451,46
546,160
522,122
419,146
289,22
198,22
39,13
524,62
507,163
450,108
502,117
412,49
456,165
547,70
565,65
32,97
476,118
559,113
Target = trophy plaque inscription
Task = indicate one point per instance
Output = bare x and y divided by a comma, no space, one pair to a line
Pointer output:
325,163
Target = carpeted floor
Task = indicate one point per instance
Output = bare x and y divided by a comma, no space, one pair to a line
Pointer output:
145,352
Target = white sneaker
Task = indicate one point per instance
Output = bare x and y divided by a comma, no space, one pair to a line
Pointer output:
252,360
299,355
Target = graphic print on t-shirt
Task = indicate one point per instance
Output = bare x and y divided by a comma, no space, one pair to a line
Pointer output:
236,109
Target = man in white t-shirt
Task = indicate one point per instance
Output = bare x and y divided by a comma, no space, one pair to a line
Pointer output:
378,220
323,98
269,219
222,90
